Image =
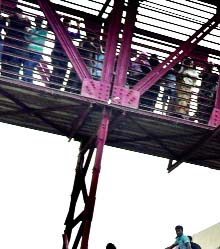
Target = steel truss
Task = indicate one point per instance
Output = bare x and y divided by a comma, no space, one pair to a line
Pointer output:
114,90
85,217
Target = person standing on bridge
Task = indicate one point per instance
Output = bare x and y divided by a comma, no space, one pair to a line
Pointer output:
181,240
59,58
36,38
14,43
187,79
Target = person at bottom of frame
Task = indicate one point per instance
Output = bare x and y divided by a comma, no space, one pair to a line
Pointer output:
181,240
110,246
59,59
193,244
36,39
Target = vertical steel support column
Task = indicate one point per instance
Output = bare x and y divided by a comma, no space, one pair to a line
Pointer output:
65,242
120,94
64,39
74,197
90,203
101,89
112,39
215,117
124,55
79,186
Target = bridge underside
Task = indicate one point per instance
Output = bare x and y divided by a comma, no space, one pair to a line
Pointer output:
68,115
101,94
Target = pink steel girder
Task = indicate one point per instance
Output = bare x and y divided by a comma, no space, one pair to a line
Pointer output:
101,89
120,94
85,217
215,117
124,55
111,43
79,185
64,39
151,78
90,202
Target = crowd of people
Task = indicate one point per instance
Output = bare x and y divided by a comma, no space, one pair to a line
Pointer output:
177,88
23,43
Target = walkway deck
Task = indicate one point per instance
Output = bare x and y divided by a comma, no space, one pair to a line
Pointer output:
70,115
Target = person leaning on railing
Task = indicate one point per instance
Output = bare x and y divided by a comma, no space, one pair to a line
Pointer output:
36,38
169,94
188,76
90,48
206,94
14,44
2,26
59,59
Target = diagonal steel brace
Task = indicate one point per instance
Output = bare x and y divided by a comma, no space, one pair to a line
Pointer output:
151,78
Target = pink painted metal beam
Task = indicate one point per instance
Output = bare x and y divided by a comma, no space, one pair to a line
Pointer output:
150,79
64,39
217,99
101,89
120,94
65,241
124,55
90,203
111,43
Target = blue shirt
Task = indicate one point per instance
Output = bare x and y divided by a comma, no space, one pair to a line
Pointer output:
181,241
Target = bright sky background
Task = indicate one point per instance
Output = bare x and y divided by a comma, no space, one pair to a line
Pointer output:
138,202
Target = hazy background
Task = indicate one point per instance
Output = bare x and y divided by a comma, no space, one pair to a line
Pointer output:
138,203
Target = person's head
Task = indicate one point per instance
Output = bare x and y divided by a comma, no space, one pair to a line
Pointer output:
154,60
91,36
66,21
110,246
209,67
188,62
143,56
38,21
18,12
179,230
190,238
133,53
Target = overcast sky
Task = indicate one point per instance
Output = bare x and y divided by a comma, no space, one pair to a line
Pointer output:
138,202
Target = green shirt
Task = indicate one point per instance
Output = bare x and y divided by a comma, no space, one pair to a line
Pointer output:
37,38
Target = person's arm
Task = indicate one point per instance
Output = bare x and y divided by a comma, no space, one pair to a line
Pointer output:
172,246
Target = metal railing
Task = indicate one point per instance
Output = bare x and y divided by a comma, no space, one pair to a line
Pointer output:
33,55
